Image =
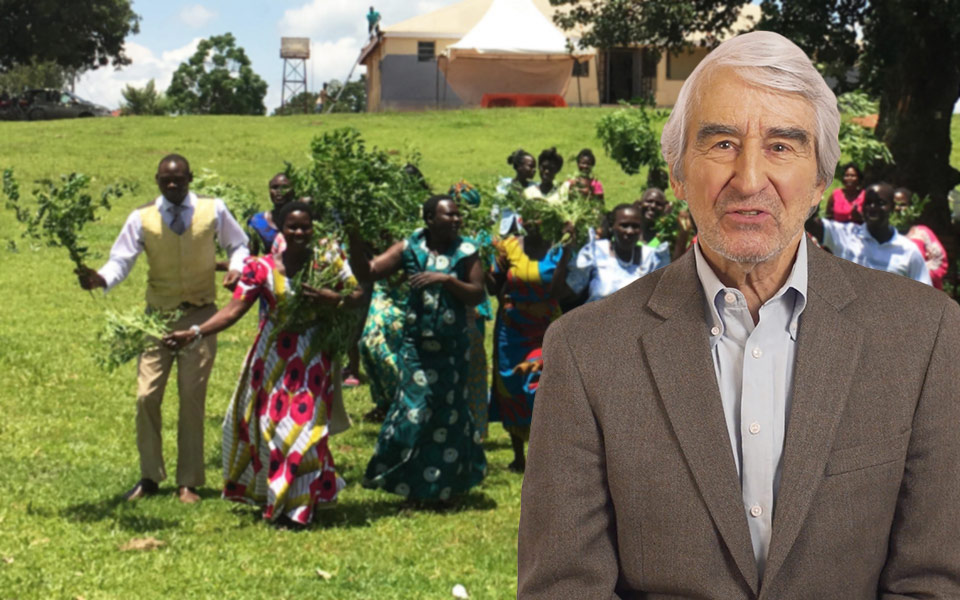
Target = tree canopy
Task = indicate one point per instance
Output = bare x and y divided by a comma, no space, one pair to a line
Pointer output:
74,35
217,80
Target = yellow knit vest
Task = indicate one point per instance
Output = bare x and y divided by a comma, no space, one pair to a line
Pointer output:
181,267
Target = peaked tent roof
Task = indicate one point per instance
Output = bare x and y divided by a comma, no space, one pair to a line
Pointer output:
512,27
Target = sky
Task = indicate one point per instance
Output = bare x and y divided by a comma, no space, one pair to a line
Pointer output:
171,30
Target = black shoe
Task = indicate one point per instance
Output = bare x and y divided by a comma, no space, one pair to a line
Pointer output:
144,487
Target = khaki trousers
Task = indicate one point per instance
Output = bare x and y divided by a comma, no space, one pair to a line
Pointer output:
194,363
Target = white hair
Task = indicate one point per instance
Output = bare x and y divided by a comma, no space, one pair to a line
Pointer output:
767,60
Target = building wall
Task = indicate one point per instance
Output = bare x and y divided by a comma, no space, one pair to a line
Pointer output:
406,83
678,67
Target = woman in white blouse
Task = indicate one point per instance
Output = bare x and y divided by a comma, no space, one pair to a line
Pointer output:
606,265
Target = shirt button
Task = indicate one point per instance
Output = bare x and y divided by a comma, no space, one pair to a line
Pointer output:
754,428
729,298
715,330
757,353
755,510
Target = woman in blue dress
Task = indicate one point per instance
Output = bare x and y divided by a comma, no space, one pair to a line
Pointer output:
264,223
429,447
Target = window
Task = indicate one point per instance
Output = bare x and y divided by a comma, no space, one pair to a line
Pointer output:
581,69
426,51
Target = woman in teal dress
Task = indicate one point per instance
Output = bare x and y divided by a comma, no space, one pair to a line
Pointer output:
429,447
380,345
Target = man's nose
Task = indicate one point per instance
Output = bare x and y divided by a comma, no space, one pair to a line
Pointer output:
750,175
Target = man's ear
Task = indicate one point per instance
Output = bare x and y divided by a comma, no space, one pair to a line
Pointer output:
676,185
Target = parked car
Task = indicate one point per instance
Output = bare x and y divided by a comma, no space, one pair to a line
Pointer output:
40,104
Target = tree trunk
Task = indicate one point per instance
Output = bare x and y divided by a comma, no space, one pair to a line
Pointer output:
919,83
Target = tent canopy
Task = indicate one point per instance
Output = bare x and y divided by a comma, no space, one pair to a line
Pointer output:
513,49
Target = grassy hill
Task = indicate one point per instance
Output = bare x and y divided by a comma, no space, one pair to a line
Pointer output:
67,444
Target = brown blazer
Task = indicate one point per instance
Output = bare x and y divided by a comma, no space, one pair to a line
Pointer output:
631,490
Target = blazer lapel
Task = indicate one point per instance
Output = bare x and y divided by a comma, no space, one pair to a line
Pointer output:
820,389
678,354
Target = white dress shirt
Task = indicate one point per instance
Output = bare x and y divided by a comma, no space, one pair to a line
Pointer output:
129,244
898,255
754,367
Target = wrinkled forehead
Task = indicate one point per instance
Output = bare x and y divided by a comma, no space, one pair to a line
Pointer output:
725,97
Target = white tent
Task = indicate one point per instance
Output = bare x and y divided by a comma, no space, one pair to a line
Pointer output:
514,49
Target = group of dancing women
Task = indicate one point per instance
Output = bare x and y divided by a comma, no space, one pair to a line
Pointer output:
426,300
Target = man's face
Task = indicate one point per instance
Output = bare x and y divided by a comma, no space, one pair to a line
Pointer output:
173,178
750,168
877,206
281,191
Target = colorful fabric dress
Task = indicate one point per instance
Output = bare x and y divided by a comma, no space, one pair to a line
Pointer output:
381,340
275,432
478,389
526,310
428,447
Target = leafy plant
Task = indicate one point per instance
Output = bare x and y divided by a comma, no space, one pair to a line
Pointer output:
241,202
144,101
335,326
905,218
62,210
126,336
583,212
857,104
861,146
354,187
668,225
628,137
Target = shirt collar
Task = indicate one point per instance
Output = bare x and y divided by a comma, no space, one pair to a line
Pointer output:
713,288
864,233
165,204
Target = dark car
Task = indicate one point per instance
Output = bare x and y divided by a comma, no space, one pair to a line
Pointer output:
36,105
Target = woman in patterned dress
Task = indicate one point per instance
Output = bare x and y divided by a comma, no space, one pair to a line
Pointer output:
528,279
275,432
380,345
428,447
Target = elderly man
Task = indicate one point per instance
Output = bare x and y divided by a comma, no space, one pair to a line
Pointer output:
875,243
177,230
727,427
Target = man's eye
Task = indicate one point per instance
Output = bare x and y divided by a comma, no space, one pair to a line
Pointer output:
780,148
724,145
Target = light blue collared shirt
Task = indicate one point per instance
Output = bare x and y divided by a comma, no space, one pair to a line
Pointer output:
754,367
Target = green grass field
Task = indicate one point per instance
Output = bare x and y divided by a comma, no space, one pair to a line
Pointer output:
67,446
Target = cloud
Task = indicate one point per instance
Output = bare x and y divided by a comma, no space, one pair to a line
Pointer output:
104,85
196,16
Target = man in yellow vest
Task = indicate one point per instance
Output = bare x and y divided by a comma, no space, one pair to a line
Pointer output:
178,231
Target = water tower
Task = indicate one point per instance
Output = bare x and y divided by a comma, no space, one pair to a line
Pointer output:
294,51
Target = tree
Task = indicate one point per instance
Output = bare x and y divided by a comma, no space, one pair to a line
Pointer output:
217,80
302,103
908,54
353,98
143,101
41,75
74,35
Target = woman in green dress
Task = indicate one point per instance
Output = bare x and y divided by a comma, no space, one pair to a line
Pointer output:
429,447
